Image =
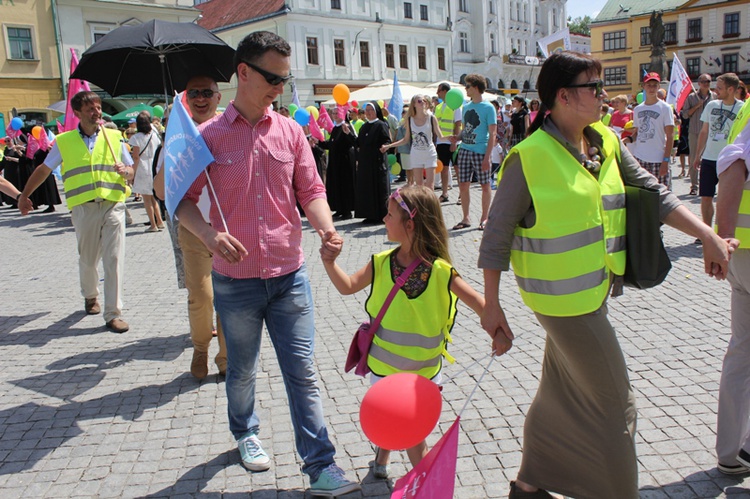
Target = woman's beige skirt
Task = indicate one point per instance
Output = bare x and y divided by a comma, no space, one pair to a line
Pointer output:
579,434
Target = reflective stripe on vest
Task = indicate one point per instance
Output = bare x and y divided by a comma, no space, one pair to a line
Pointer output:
742,230
444,115
91,175
414,331
562,263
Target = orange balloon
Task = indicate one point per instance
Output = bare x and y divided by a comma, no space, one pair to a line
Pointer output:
439,167
36,132
341,94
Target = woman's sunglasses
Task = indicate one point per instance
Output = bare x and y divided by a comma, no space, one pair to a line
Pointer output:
271,78
597,85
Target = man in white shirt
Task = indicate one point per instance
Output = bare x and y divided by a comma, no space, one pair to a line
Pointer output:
717,119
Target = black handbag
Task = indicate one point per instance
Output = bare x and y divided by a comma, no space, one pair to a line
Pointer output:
647,263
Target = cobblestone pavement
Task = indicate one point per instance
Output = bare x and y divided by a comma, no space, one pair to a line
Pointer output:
86,412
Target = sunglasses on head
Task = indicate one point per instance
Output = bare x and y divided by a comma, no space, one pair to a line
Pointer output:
396,196
597,85
271,78
419,101
194,93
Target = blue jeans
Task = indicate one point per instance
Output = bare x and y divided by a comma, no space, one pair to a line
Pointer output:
285,305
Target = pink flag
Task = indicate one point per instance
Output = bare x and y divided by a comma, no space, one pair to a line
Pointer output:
12,133
342,110
680,85
324,119
44,142
315,129
60,127
435,475
32,146
74,86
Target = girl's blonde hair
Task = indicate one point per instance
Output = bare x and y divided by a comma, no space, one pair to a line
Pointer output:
430,235
413,105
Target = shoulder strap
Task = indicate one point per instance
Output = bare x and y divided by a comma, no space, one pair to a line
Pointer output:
400,281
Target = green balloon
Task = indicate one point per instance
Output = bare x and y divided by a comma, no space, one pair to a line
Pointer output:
158,111
391,159
454,98
292,109
639,97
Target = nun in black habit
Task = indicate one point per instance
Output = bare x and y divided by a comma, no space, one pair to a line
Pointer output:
373,178
342,163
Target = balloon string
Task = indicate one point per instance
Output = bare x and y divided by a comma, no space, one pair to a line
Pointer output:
471,395
448,379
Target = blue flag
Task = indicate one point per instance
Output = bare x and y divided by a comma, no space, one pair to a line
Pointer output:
185,155
397,100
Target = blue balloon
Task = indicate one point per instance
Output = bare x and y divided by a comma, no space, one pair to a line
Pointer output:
16,123
302,116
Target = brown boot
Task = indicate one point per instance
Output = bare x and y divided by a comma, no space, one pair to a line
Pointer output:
199,365
91,306
117,325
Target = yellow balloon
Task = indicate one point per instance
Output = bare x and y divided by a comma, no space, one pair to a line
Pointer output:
381,103
396,168
314,111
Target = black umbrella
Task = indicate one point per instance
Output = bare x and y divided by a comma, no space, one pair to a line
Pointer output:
129,59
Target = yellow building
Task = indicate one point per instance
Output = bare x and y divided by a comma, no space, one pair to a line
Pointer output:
29,62
708,36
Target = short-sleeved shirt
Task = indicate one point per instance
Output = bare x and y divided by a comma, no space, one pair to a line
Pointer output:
477,117
650,120
719,117
54,158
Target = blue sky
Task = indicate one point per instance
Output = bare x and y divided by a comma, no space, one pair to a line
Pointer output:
580,8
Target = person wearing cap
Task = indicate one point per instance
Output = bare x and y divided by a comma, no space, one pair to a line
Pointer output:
692,110
717,119
95,166
653,129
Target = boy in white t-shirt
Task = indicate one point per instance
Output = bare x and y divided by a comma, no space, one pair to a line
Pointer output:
653,129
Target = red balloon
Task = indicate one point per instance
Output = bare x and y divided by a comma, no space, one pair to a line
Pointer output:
400,410
354,103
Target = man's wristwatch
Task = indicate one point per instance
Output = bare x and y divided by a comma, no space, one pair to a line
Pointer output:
19,196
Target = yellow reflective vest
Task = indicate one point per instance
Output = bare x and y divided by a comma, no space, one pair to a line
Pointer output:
444,115
563,263
413,334
742,230
91,175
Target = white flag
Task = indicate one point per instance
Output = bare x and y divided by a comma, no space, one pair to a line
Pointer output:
680,85
556,42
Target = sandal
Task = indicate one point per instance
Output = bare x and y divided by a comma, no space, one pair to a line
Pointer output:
461,225
444,198
481,226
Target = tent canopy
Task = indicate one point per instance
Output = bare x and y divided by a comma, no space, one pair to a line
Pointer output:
380,90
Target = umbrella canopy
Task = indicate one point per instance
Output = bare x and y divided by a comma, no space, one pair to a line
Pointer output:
122,118
381,90
155,57
58,106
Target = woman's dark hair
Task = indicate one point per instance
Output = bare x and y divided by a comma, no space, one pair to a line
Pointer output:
143,122
521,101
558,71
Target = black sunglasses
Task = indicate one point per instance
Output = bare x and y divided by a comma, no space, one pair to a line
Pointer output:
597,85
271,78
194,93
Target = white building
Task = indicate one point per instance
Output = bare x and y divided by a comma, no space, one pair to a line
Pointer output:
82,22
498,39
352,42
580,43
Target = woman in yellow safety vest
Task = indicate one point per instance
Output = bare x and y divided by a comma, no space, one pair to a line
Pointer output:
559,217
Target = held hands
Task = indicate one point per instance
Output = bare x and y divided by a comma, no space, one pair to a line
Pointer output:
494,322
716,254
331,245
25,206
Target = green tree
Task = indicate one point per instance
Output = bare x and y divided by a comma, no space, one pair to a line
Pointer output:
580,25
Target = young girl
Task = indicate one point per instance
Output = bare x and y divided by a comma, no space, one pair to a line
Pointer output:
421,129
415,329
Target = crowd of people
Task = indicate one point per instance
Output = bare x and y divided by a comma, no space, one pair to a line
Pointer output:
558,216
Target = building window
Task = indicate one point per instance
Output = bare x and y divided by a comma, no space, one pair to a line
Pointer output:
731,64
338,52
98,31
554,18
525,13
364,54
312,50
615,76
422,57
403,57
463,5
20,43
335,4
693,66
518,11
493,44
441,58
492,6
670,33
536,14
643,69
463,41
732,25
389,63
407,10
645,36
423,13
614,40
695,33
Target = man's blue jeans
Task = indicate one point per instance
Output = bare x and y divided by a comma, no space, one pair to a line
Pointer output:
285,305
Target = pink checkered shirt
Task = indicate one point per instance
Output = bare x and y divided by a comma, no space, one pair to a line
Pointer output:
259,173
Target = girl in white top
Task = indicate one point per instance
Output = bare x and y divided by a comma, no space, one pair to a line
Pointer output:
421,130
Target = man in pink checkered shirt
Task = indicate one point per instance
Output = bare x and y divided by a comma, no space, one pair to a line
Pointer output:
262,167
